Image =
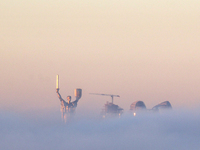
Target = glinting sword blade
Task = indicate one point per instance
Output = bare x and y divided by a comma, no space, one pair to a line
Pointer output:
57,82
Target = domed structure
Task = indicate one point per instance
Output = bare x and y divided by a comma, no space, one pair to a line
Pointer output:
138,105
163,105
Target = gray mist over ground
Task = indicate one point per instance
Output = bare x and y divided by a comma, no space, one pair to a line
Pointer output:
169,130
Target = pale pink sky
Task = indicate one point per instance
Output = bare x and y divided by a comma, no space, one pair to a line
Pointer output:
145,50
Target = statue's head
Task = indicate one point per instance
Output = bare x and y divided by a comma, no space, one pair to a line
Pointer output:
68,99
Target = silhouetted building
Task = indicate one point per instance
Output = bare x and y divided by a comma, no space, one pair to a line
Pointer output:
112,108
164,105
138,105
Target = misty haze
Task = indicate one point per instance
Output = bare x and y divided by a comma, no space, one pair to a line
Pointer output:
111,56
173,130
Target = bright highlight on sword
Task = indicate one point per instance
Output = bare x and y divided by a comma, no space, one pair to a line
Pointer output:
57,81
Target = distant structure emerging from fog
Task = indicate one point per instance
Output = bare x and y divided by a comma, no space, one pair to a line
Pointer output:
163,105
139,106
67,108
110,109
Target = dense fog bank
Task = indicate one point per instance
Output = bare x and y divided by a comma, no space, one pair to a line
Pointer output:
168,130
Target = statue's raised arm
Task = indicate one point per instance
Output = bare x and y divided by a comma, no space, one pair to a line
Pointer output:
77,94
59,96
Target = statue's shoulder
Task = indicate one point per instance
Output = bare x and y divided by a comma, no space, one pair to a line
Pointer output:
74,103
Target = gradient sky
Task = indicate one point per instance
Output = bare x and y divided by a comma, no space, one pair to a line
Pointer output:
142,50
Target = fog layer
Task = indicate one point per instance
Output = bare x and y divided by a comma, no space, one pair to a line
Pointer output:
171,130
